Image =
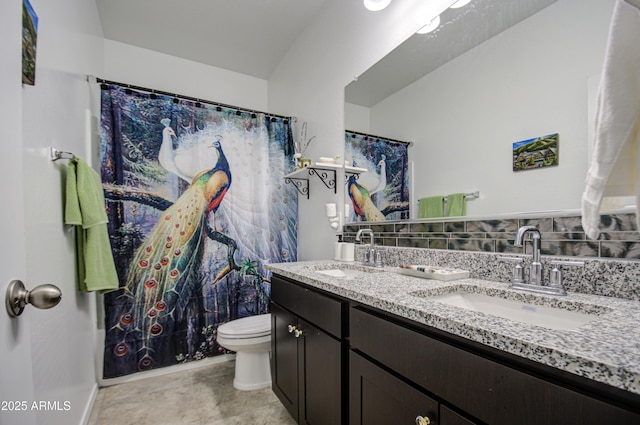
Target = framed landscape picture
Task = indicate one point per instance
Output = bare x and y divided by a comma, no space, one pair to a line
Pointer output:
29,38
535,153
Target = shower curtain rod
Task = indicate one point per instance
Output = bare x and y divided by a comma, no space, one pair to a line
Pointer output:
380,137
193,99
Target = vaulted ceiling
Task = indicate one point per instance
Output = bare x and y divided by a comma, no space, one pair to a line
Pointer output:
252,36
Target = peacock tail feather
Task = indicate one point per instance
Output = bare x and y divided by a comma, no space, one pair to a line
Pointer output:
362,204
163,282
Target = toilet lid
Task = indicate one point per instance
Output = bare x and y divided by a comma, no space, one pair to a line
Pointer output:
247,327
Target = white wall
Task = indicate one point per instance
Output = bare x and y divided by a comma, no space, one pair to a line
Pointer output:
357,118
69,46
146,68
344,40
527,82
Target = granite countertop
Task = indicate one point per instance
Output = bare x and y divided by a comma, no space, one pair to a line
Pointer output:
607,349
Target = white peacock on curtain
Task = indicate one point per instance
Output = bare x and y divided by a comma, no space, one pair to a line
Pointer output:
197,206
382,192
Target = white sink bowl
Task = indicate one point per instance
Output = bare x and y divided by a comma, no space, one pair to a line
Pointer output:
344,271
540,315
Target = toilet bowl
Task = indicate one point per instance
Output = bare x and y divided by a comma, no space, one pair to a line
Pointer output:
250,338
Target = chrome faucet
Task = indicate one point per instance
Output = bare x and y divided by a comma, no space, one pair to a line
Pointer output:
555,286
371,257
535,269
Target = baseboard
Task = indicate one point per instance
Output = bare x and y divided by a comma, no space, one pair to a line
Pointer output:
208,361
86,414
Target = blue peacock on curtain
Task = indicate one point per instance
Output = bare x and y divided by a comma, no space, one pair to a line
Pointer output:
197,206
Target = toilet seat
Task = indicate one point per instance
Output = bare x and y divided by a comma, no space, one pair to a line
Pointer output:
247,327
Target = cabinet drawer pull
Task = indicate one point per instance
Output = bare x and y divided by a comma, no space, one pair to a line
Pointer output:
423,420
297,333
291,328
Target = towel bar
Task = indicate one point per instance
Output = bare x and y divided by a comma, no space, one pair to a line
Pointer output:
58,154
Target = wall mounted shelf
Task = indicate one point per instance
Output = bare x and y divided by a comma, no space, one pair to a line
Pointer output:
327,173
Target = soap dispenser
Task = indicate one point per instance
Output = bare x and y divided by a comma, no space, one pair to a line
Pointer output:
337,252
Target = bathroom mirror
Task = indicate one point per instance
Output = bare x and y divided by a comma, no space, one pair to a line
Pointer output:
494,73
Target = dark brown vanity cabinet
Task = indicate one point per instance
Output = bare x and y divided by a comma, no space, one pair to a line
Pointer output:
402,371
307,351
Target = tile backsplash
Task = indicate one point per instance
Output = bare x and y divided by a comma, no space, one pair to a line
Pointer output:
562,234
611,262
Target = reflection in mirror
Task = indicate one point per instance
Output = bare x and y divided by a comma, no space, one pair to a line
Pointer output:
382,191
494,73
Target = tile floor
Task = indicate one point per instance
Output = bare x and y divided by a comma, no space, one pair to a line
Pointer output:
200,396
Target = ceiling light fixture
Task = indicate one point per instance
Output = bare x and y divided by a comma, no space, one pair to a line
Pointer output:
460,3
430,26
376,5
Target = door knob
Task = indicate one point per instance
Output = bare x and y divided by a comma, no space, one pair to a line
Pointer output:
43,296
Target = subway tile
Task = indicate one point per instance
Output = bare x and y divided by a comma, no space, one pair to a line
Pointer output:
387,228
507,247
402,227
438,243
568,248
543,224
386,241
437,235
467,235
567,224
578,236
413,242
618,222
501,235
620,249
426,227
485,245
454,226
508,225
619,236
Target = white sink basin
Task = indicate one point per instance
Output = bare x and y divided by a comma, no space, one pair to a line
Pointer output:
345,271
532,314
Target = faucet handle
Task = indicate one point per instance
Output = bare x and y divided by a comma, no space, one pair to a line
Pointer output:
555,278
379,259
518,271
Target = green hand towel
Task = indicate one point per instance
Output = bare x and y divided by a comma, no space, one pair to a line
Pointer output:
431,207
84,208
456,205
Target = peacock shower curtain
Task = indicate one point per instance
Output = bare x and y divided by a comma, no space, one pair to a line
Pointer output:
197,206
382,192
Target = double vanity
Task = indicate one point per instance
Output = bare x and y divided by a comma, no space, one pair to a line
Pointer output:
355,344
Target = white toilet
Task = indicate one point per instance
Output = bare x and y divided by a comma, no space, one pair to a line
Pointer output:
250,338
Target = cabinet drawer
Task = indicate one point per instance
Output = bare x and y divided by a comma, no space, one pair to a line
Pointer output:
485,389
323,311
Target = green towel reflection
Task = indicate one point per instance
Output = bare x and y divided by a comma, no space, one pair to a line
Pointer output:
456,205
431,207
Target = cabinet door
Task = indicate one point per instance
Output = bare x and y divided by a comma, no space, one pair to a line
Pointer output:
284,359
378,398
449,417
320,360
